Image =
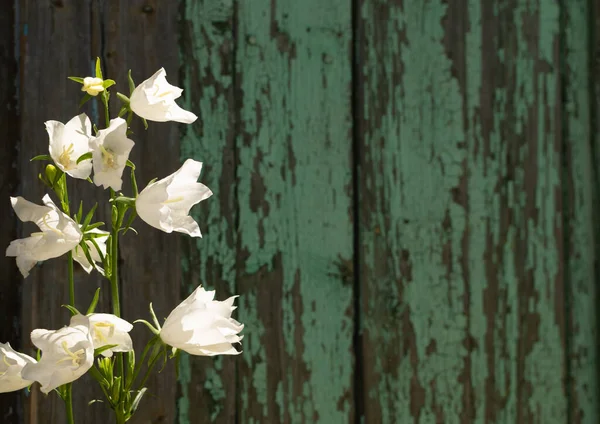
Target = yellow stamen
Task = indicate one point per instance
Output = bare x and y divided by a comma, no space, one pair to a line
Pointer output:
108,158
173,200
65,157
99,334
49,227
74,357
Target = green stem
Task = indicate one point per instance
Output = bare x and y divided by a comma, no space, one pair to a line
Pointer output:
114,274
71,279
106,113
69,403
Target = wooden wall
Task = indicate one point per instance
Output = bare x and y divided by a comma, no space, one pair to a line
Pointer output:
406,195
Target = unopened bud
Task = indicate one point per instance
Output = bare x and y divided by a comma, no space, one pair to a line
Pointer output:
92,85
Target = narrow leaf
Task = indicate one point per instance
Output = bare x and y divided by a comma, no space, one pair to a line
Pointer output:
73,310
93,227
131,83
79,212
95,299
40,157
89,216
108,83
130,164
98,68
137,399
76,79
123,98
85,156
99,350
84,99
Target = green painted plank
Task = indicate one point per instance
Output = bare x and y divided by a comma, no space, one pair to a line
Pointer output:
208,392
579,214
295,224
460,175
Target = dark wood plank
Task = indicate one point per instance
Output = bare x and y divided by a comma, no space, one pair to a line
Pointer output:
461,222
10,291
294,186
208,385
142,36
579,214
56,36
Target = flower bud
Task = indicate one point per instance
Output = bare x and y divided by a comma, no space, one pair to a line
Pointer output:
92,85
51,173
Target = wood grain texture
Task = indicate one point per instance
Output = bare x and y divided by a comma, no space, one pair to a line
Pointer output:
461,230
579,215
294,192
10,293
142,36
208,385
56,36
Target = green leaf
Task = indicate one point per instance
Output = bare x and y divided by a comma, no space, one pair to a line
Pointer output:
79,212
145,123
116,389
108,83
154,319
73,310
40,157
98,68
99,350
102,257
89,216
93,227
85,156
130,164
86,251
152,180
123,98
122,111
147,324
85,99
130,367
95,299
132,216
131,83
76,79
137,399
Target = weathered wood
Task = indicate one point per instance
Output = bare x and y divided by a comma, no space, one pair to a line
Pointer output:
55,36
294,191
578,216
208,385
142,36
461,231
10,291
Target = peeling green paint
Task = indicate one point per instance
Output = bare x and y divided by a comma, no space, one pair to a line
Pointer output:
294,176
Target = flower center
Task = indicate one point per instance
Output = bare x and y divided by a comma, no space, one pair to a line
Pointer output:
65,157
173,200
163,93
44,220
108,158
99,330
75,357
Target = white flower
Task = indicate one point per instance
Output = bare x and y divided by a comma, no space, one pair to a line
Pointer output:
203,326
154,100
108,329
68,142
11,365
110,153
92,85
67,354
166,204
79,255
59,233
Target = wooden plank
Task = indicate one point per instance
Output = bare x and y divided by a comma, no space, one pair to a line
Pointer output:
208,385
460,175
142,36
10,293
294,191
580,250
50,41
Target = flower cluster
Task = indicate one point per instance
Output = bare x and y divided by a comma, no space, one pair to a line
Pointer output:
96,342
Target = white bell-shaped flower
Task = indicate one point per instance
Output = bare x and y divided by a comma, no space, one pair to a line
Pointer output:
108,329
68,142
110,152
154,100
166,204
11,365
59,233
203,326
67,354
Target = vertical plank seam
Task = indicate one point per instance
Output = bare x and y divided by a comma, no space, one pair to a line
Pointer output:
236,105
356,95
594,70
565,207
